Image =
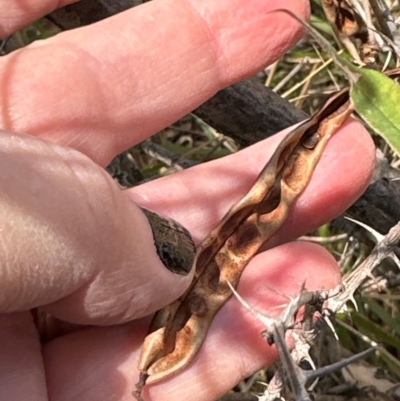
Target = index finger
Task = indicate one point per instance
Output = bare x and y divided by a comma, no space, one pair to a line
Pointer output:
100,89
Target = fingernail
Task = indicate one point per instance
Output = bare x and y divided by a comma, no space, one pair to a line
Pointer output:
173,243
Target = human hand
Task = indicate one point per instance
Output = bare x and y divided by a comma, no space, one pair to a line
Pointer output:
76,245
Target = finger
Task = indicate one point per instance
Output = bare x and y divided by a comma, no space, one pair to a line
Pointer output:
233,349
206,192
102,88
16,14
72,240
21,366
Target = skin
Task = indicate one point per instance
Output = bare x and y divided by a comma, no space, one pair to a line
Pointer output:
75,244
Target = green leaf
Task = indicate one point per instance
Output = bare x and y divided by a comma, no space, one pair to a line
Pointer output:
374,331
390,321
376,99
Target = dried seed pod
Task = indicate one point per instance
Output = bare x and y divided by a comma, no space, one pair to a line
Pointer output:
178,331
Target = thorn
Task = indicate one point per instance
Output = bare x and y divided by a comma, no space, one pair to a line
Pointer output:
265,320
377,236
331,326
353,301
395,259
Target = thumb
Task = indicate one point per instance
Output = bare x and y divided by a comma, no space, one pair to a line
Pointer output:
72,241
